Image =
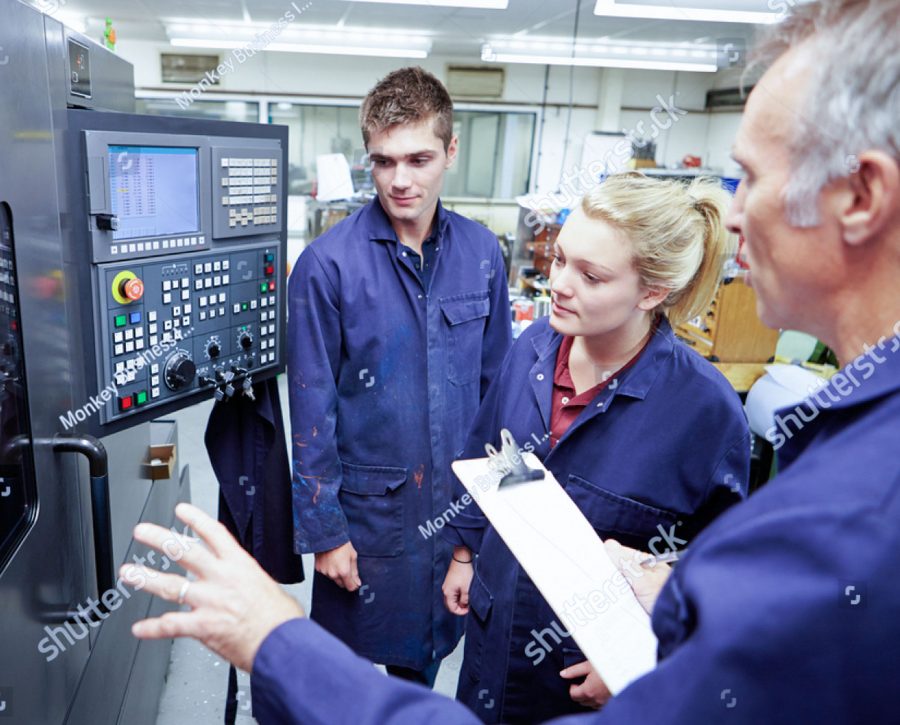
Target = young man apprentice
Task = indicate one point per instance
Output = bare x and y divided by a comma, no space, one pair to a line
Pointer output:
399,320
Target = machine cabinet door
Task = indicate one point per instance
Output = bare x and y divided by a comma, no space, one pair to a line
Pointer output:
43,577
18,498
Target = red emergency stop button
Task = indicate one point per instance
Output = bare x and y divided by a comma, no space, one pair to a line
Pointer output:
127,287
133,289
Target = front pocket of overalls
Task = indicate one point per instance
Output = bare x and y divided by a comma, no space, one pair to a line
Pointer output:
466,317
613,515
372,500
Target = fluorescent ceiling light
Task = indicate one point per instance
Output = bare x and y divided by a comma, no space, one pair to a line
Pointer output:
604,62
305,48
204,43
608,54
611,8
327,40
351,50
478,4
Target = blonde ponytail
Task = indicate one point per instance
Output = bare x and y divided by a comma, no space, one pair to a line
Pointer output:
712,202
678,233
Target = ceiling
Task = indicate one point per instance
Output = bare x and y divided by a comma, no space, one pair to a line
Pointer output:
458,32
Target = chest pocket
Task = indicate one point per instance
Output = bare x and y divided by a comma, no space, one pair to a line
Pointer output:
612,515
466,316
372,500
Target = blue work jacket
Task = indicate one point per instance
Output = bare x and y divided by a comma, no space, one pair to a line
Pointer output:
245,441
783,612
656,455
385,378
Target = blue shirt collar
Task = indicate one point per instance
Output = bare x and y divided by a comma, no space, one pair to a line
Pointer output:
381,230
870,376
637,381
862,381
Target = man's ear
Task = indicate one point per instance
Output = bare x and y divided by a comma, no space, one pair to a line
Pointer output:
452,151
653,298
871,199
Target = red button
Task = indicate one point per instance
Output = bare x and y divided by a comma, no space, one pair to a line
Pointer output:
270,270
125,403
133,289
271,286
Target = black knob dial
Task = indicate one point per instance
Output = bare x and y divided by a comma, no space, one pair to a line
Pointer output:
180,371
246,340
213,349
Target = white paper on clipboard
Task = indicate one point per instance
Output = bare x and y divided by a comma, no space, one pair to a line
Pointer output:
566,560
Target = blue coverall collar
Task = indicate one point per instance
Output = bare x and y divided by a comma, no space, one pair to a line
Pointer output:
381,230
638,380
883,381
863,380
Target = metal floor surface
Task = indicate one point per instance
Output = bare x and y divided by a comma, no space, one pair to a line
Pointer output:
197,680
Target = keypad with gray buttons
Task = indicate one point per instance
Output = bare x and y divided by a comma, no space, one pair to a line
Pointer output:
229,303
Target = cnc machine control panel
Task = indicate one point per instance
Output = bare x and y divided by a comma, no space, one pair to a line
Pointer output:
193,321
187,239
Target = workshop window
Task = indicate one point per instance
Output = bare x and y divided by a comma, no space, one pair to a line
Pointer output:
494,154
316,130
244,111
494,160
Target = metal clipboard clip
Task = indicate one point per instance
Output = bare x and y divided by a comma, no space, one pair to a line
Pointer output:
509,459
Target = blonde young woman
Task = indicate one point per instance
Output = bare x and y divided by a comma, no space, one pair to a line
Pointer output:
646,436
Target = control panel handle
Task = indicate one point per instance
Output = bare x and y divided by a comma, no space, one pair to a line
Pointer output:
107,222
98,463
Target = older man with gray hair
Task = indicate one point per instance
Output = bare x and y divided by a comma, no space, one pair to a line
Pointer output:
785,608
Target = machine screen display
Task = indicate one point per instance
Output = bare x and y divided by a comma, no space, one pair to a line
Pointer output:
154,190
79,69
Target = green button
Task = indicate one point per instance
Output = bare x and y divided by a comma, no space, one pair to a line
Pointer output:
121,320
244,306
142,397
264,287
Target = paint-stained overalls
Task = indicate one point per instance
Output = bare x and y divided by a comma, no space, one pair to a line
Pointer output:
388,364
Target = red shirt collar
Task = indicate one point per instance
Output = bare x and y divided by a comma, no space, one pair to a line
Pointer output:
562,377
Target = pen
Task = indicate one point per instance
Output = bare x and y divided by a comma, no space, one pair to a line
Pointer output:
666,558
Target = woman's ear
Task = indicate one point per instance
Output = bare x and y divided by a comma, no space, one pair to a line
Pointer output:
652,298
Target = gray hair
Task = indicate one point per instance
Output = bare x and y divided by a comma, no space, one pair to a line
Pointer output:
852,104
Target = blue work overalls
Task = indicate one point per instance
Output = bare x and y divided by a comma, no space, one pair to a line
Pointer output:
784,611
385,378
656,455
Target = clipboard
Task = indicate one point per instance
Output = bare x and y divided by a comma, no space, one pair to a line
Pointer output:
566,560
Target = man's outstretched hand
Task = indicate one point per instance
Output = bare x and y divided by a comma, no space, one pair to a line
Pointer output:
234,604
